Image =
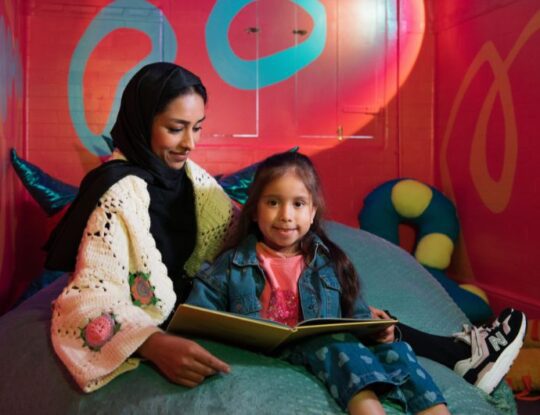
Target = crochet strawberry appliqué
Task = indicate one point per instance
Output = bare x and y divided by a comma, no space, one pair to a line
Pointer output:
142,292
99,331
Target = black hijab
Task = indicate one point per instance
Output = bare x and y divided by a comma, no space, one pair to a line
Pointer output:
146,95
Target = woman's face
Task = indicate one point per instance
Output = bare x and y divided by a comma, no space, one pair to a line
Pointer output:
176,130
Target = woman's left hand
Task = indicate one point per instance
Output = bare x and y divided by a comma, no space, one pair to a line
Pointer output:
386,335
181,360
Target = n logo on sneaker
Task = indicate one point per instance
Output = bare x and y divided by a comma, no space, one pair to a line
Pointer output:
497,340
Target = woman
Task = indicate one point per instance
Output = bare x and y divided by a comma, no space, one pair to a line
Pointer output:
148,217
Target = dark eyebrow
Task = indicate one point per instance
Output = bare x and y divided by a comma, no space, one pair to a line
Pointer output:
184,122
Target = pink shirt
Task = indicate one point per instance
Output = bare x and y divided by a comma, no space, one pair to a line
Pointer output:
280,295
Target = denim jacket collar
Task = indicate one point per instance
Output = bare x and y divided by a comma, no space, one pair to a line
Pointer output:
245,254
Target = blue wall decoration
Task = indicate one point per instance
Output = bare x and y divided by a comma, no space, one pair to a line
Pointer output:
11,70
268,70
107,21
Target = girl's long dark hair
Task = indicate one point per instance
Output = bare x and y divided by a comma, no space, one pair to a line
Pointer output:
271,169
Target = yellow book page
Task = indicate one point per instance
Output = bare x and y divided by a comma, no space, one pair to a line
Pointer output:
262,335
357,327
228,327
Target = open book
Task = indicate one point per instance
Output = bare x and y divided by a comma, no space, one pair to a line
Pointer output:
262,335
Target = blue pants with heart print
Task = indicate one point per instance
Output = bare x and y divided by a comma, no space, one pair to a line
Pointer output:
346,367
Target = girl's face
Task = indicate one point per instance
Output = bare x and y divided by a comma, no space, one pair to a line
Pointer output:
285,213
176,130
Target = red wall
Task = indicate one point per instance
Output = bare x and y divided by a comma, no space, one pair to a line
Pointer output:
488,153
12,196
354,84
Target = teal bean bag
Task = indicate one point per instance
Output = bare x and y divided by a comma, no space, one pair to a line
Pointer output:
35,382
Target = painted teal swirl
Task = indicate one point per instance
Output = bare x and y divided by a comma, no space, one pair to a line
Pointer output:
106,21
268,70
11,71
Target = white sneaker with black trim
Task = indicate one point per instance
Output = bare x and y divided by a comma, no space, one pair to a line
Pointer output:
493,349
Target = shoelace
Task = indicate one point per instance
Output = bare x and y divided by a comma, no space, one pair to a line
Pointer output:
472,335
484,328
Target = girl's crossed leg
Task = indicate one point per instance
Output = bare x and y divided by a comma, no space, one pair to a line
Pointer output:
357,376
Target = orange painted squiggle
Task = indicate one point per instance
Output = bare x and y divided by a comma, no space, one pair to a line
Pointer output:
495,194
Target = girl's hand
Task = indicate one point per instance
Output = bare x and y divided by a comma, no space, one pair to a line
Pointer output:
182,361
386,335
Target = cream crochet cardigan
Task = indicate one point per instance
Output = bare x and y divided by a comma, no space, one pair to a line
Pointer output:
120,291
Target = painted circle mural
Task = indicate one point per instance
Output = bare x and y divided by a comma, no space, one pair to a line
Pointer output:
163,49
375,56
268,70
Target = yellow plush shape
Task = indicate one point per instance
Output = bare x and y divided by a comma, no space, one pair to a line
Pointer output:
435,250
476,290
532,338
525,371
411,198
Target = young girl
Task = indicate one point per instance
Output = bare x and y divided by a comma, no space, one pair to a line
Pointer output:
284,268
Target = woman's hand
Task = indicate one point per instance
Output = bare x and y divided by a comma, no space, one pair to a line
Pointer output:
386,335
181,360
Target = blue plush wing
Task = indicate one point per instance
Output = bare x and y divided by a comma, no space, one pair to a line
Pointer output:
50,193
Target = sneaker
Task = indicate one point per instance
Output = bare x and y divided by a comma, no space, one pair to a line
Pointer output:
493,349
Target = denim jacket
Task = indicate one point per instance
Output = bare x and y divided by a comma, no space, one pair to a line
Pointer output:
235,283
